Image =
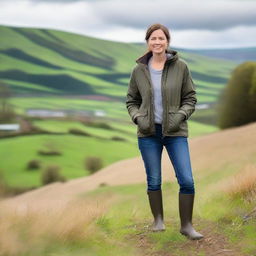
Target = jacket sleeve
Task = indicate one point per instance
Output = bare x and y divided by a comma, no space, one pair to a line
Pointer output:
188,95
133,98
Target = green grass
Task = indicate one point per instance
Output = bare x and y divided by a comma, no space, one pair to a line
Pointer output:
114,110
17,151
61,64
84,59
132,218
64,126
229,213
121,228
127,218
121,130
196,129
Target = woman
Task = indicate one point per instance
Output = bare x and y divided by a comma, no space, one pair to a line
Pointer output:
160,99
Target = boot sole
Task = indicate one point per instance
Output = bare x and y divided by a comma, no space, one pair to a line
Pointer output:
158,230
191,238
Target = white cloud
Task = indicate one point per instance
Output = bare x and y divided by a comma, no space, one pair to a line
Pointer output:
55,15
178,14
240,36
227,23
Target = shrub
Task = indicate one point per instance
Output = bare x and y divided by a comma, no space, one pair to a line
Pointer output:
33,164
78,132
93,163
237,102
98,125
103,184
49,152
51,174
117,138
2,184
7,113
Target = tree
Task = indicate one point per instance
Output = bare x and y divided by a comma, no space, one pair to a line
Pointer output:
238,101
6,112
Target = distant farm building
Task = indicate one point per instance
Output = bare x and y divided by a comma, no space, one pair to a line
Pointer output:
63,113
9,127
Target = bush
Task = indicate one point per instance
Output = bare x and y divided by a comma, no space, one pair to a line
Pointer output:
7,114
98,125
93,163
51,174
2,184
117,138
33,164
237,103
78,132
103,184
48,152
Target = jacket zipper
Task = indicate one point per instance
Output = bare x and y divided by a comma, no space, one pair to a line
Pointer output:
162,89
164,100
152,100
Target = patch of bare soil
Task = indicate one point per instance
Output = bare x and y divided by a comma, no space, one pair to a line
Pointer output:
213,244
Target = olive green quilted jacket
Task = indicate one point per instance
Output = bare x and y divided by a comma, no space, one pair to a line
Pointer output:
178,96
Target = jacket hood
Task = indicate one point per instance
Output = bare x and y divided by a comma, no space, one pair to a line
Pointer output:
172,56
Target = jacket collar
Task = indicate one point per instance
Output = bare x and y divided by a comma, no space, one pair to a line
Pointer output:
172,56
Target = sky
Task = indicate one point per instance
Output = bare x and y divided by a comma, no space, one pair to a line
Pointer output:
192,24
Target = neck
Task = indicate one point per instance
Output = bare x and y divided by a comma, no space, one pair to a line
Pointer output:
159,57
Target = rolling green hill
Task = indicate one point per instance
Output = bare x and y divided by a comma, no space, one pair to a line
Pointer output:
238,54
49,69
36,62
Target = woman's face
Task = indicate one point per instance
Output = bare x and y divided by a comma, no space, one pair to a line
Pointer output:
157,42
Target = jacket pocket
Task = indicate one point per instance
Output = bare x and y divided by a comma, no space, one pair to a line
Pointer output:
175,121
143,121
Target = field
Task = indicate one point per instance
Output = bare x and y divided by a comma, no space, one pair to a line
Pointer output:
101,215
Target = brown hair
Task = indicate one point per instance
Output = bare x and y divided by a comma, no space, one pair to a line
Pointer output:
157,26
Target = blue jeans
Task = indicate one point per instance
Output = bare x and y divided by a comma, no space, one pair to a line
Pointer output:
151,148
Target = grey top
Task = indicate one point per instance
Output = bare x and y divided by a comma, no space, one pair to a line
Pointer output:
156,77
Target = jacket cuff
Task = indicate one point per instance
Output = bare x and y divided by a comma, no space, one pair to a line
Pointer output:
134,118
183,113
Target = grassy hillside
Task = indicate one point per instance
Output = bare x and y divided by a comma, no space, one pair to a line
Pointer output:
15,153
235,54
49,62
49,69
114,220
73,151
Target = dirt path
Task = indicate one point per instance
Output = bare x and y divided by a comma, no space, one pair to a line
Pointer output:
213,244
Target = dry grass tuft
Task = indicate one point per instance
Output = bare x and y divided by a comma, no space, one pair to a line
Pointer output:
242,184
32,230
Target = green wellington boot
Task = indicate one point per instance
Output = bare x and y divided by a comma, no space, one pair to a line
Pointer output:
186,202
156,205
